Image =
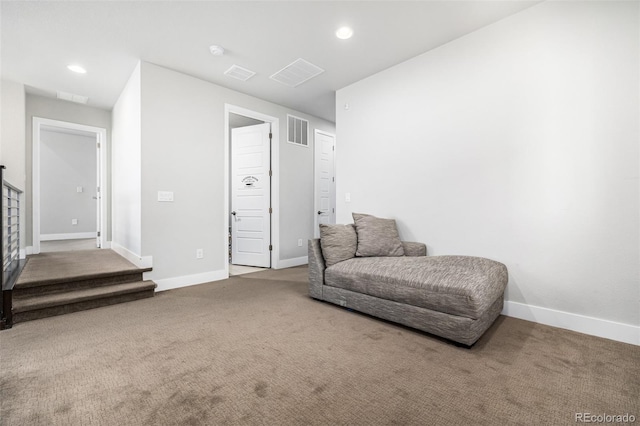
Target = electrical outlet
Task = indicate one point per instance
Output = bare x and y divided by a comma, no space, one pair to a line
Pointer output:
74,221
300,242
347,197
165,196
199,254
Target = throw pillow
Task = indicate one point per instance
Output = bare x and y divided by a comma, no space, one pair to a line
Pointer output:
338,243
376,236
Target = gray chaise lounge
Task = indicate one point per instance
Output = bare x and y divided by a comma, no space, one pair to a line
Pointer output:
455,297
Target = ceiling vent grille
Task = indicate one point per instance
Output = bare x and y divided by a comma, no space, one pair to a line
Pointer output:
297,130
239,73
72,98
297,73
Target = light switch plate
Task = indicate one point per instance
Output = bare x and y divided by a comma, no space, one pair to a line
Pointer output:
79,189
165,196
347,197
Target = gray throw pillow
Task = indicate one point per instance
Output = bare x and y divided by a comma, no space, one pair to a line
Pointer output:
376,236
338,243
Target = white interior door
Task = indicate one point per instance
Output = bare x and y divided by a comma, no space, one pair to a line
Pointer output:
325,180
251,196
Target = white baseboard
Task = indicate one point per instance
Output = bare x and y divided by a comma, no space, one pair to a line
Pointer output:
68,236
139,261
106,245
582,324
187,280
290,263
28,250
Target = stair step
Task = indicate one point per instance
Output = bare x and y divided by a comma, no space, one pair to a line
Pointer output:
60,267
80,306
21,290
26,282
35,302
58,283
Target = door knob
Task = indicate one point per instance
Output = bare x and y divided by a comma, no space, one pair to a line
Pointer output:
319,211
233,213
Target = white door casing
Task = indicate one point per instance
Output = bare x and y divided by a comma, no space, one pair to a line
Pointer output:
101,136
324,179
251,196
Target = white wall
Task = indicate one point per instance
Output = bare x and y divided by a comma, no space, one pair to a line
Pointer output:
518,142
12,147
12,142
169,134
54,109
126,175
183,142
67,161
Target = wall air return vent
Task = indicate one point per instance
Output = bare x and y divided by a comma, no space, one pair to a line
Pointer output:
240,73
297,130
297,73
72,98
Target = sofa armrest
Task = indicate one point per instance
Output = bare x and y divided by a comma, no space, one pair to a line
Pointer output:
414,249
316,269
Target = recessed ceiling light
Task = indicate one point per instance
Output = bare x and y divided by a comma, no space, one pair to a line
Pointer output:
216,50
77,68
344,33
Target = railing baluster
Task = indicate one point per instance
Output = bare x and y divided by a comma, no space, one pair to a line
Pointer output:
10,247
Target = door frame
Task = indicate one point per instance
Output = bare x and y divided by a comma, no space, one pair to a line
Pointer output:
275,180
101,138
316,231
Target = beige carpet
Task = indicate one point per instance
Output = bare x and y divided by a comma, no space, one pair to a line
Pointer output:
255,349
58,266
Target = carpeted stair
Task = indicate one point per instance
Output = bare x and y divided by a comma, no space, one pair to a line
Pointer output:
64,282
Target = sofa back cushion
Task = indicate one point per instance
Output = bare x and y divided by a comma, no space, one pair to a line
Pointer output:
338,243
376,236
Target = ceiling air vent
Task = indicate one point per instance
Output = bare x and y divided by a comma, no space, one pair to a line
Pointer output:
297,130
73,98
297,73
240,73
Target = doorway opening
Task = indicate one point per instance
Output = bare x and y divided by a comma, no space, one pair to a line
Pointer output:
251,195
69,177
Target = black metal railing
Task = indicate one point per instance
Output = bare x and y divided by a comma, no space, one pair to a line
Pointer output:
10,237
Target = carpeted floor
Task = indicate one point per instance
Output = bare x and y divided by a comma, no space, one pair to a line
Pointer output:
255,349
56,266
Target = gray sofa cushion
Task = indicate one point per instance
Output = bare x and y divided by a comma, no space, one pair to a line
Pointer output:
338,243
414,249
376,236
457,285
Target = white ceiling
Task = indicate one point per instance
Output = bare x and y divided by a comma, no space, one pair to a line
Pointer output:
39,39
